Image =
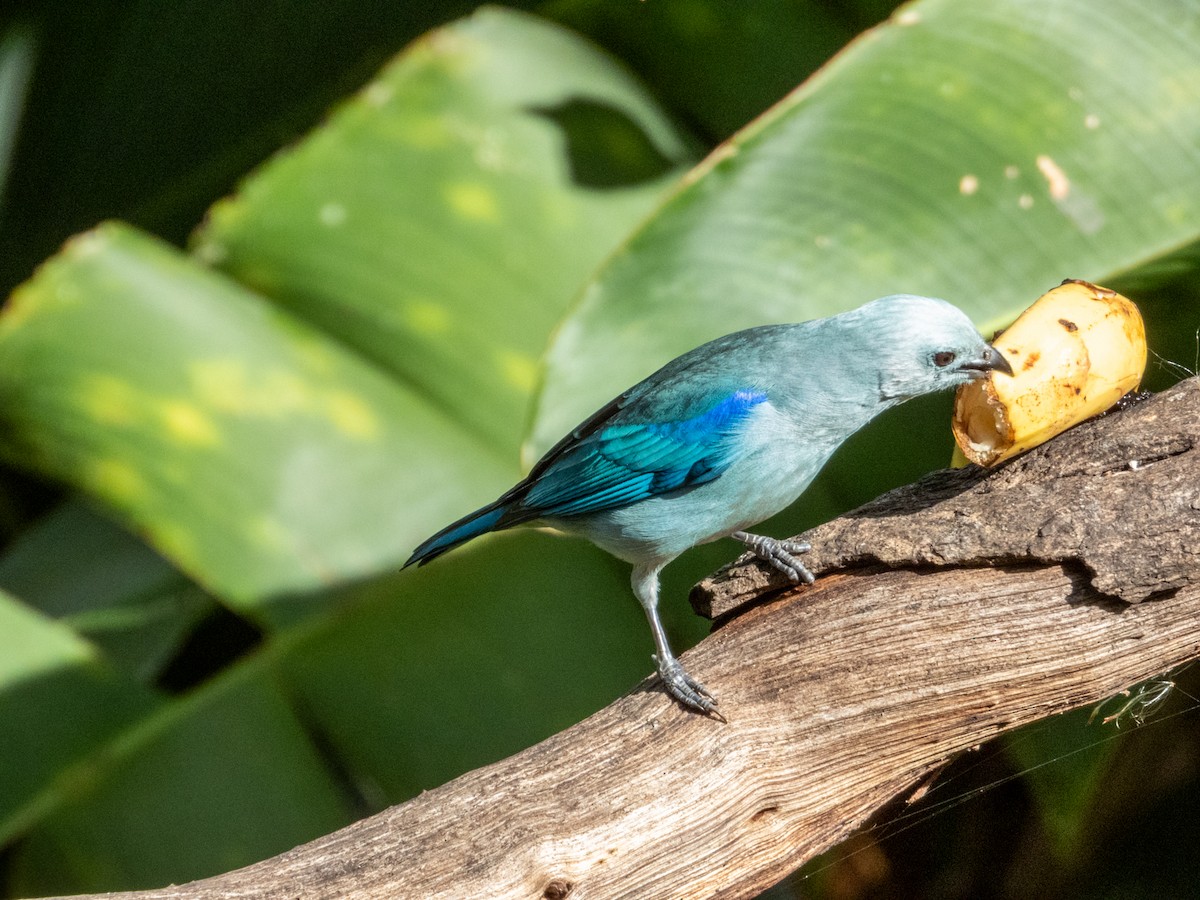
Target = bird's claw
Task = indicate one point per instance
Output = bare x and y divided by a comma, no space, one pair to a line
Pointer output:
684,688
780,555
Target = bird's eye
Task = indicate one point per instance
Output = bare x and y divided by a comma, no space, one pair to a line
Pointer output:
943,358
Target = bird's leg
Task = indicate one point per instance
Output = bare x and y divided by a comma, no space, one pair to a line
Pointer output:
680,685
779,554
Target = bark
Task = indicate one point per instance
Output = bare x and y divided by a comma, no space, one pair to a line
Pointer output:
950,611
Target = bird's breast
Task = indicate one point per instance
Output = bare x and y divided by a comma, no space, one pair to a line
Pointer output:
776,459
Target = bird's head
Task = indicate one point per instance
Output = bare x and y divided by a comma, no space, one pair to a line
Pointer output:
925,345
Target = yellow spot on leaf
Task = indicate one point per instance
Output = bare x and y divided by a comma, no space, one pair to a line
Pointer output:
108,400
351,415
518,370
187,424
472,200
968,185
230,386
116,480
219,383
427,318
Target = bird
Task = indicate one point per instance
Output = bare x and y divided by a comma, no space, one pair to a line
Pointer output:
725,436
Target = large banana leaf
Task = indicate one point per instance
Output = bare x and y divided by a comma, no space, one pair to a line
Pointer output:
981,152
439,227
258,453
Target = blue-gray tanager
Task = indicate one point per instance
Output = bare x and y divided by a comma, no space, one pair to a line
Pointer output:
727,435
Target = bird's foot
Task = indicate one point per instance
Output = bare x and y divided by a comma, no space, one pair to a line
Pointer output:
684,688
779,554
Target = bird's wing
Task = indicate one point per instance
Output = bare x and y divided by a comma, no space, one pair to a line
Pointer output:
611,462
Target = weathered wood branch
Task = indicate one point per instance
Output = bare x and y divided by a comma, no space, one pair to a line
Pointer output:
1013,604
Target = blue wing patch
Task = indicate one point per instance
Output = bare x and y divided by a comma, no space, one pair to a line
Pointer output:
623,463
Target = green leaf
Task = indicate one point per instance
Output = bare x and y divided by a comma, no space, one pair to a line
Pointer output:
59,704
76,561
255,453
978,152
437,225
106,584
212,783
142,635
436,672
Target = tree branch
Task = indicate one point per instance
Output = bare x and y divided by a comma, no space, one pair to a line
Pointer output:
1014,604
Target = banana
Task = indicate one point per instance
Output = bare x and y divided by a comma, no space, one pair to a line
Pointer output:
1074,353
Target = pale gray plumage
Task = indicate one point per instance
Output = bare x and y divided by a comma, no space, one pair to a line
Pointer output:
727,435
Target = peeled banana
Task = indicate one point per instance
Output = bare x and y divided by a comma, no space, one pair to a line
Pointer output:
1074,353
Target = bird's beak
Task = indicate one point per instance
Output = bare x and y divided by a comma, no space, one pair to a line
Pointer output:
991,360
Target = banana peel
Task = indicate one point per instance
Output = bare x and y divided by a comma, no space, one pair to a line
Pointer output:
1074,353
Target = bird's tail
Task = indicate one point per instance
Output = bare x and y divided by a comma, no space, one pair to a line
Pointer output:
468,527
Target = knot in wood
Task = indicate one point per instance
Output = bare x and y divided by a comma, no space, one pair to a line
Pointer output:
558,889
